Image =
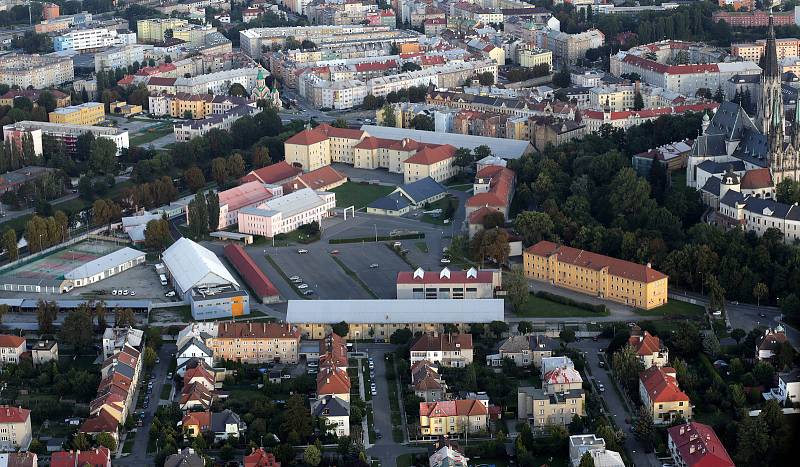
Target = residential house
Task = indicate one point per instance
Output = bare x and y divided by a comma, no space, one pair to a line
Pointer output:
114,339
447,456
191,351
196,397
255,342
649,348
19,459
562,379
333,381
201,374
696,445
551,363
541,409
98,457
336,413
524,350
223,425
333,351
44,351
659,391
11,348
260,458
15,428
768,344
493,190
427,382
447,349
453,417
185,458
596,447
788,390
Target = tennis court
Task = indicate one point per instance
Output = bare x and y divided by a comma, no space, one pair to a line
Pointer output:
58,263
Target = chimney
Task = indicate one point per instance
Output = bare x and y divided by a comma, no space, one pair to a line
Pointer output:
691,449
649,266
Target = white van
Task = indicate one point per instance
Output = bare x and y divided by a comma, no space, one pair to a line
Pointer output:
163,279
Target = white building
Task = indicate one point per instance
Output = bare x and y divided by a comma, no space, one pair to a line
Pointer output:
596,447
11,348
15,428
121,57
287,213
91,38
104,267
195,128
193,350
448,284
115,339
68,134
219,82
335,411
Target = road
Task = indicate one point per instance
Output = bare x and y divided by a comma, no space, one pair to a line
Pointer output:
138,456
24,212
614,402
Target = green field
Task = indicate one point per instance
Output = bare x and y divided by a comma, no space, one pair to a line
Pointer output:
151,134
675,309
537,307
359,194
441,204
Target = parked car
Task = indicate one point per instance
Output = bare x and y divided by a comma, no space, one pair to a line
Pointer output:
373,266
445,261
308,292
171,293
125,292
294,278
374,392
302,251
297,281
302,286
133,292
114,292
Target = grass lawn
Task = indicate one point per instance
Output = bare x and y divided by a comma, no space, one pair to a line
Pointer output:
404,460
292,238
461,187
422,246
675,309
441,204
537,307
151,134
165,390
128,446
359,194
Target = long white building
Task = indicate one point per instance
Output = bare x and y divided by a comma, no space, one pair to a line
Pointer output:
67,134
219,82
287,213
80,40
121,57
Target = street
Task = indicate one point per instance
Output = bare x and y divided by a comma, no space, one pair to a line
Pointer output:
615,404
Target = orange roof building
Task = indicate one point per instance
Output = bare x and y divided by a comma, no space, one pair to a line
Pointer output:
333,381
255,342
493,190
632,284
260,458
659,391
453,417
649,348
11,348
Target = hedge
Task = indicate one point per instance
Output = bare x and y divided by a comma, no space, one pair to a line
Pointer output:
379,239
570,302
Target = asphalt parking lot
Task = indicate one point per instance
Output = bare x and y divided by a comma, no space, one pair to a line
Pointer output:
317,269
380,280
141,279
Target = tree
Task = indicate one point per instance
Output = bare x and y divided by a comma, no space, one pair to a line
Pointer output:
719,96
124,317
638,102
423,122
738,334
46,313
105,439
219,170
567,335
401,336
389,117
194,178
236,89
490,244
486,78
47,101
524,327
534,226
494,219
9,244
627,366
562,79
341,328
517,288
149,357
586,458
77,329
312,456
235,165
643,426
212,204
463,158
716,294
157,234
498,328
410,66
297,418
340,123
103,158
760,291
198,215
81,442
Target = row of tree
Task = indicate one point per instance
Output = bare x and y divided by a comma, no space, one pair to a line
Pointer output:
204,213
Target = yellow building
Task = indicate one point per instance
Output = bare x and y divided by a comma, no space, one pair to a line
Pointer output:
453,417
659,391
255,342
153,30
602,276
89,113
541,409
124,109
530,58
436,163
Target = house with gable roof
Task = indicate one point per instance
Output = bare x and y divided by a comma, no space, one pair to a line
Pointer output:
453,417
447,349
659,392
428,384
649,348
697,445
524,350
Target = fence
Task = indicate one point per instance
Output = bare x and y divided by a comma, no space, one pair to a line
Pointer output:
33,257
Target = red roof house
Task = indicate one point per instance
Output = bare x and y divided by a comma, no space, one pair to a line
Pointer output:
697,445
99,457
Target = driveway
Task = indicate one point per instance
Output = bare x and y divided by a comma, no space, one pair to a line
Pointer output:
139,454
614,403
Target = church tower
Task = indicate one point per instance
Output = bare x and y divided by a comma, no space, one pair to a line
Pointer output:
770,108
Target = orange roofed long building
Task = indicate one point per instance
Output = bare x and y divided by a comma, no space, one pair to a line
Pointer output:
453,417
255,342
314,148
605,277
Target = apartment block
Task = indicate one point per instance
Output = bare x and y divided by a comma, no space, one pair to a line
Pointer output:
453,350
90,39
195,106
120,57
153,30
39,71
453,417
613,279
570,47
255,342
541,409
15,428
64,133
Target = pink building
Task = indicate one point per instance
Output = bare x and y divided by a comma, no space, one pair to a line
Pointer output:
286,213
245,195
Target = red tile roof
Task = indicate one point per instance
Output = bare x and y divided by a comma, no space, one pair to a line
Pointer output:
322,178
160,81
699,446
670,69
198,371
323,132
470,407
260,458
276,173
771,340
200,419
562,376
661,385
102,422
231,330
501,184
588,259
756,178
95,457
250,272
645,344
371,142
8,340
333,351
196,392
13,414
442,342
376,66
332,380
476,217
650,113
432,155
244,195
454,277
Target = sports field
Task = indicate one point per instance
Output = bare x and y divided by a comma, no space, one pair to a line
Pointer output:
55,265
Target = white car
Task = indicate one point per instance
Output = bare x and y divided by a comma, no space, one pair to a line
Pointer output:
302,286
125,292
114,292
374,392
445,261
133,292
171,293
302,251
373,266
294,278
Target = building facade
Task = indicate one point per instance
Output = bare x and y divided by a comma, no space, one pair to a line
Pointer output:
541,409
255,342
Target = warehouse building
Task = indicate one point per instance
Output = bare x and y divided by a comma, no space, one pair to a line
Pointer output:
200,278
378,319
103,267
447,284
253,275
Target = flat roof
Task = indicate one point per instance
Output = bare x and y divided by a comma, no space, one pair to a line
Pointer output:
502,147
395,311
109,261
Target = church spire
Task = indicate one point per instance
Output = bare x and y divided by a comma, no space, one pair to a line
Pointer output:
771,68
770,107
